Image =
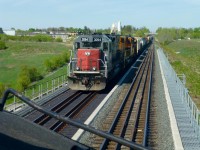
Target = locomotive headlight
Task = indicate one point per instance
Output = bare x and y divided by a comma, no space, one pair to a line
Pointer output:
94,68
77,68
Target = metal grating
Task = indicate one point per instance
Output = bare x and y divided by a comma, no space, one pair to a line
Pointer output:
186,112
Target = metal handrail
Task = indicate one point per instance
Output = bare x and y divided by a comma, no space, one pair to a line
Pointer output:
75,60
44,89
68,120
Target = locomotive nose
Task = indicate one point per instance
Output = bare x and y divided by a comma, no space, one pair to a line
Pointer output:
88,59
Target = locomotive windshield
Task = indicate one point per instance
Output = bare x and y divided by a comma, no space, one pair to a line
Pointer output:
91,44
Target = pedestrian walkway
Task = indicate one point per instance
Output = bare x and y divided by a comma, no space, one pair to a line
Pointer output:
185,111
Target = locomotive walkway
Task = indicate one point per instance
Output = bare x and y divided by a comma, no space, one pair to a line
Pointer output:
183,113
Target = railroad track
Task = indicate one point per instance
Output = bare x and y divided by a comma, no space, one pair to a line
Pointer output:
71,105
129,117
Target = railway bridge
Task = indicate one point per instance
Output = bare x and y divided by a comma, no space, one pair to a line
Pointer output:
146,107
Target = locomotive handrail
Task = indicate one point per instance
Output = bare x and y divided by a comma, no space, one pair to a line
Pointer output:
75,60
97,59
68,120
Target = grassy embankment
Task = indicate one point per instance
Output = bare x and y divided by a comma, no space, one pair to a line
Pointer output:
184,55
31,54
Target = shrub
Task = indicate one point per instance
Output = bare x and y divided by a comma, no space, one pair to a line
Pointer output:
3,37
34,74
59,39
2,45
23,82
57,61
42,38
2,89
26,76
49,65
66,56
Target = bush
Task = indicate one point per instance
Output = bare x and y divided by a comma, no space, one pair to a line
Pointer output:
2,45
26,76
59,39
66,57
49,65
57,61
3,37
23,82
42,38
2,89
34,74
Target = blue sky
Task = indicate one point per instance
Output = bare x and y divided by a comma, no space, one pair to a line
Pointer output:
95,14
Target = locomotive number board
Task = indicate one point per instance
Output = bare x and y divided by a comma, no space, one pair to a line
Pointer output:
85,39
97,39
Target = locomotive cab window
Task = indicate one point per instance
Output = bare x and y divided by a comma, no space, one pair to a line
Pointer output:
96,44
86,44
110,47
77,45
105,46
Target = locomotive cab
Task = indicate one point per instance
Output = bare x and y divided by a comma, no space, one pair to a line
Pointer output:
88,67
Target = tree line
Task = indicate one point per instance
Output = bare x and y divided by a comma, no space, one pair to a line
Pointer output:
126,30
168,35
85,30
36,38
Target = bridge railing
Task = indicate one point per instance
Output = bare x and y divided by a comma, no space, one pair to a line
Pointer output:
37,92
190,106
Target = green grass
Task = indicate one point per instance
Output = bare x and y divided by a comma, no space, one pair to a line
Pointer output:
184,55
31,54
54,75
26,53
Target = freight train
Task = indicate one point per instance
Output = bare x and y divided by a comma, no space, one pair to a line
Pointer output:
98,58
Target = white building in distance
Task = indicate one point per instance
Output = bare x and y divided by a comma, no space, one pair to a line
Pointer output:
9,32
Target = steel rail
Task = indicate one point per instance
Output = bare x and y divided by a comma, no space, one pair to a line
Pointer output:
135,97
44,118
68,120
139,107
72,112
113,125
142,87
148,103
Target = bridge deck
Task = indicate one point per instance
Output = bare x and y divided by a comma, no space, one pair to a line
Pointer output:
184,134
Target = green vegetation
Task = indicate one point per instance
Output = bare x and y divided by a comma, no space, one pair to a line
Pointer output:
57,61
30,54
36,38
2,88
184,55
168,35
130,30
26,76
126,30
2,45
59,39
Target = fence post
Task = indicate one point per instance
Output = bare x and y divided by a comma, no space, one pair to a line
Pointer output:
33,92
41,91
47,87
14,103
52,85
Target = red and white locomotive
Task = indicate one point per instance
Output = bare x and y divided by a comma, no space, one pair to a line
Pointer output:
97,58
